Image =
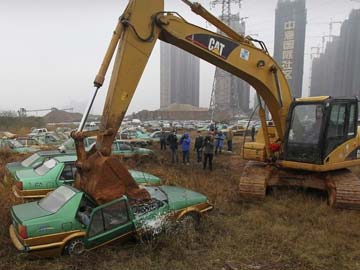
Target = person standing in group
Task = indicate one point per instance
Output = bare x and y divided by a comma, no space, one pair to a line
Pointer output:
208,148
253,131
219,137
212,127
229,138
163,140
199,140
185,147
173,143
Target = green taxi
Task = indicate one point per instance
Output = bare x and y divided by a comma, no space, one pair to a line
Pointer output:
68,221
32,161
38,181
119,147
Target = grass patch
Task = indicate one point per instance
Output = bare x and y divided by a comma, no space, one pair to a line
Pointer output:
289,230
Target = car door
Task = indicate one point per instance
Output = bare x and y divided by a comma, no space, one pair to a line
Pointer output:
125,149
115,148
67,175
153,218
109,222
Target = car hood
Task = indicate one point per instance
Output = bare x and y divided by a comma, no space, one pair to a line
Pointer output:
180,198
27,211
25,174
144,178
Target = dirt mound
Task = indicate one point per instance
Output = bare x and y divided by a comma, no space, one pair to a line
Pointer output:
58,116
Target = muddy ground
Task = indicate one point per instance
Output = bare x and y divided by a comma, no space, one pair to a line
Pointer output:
291,229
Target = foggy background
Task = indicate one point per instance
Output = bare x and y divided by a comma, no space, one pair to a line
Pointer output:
50,51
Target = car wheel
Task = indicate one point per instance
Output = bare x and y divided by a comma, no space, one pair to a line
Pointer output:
189,221
75,247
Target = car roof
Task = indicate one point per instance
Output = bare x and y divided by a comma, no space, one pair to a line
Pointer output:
54,153
66,158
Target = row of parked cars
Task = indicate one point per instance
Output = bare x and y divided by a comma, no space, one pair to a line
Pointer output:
60,219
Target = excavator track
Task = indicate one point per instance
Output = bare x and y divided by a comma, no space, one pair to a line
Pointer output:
342,186
253,180
344,189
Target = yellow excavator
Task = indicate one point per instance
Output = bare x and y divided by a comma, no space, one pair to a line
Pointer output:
310,143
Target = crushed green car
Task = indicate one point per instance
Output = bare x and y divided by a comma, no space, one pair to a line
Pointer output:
68,221
15,146
127,150
37,182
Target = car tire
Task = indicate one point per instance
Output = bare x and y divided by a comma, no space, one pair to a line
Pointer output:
75,247
190,221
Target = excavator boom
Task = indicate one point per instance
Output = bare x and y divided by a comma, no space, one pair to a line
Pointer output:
141,25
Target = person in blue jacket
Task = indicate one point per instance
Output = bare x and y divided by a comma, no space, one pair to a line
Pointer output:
219,138
185,147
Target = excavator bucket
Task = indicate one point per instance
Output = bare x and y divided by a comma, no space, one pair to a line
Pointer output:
107,180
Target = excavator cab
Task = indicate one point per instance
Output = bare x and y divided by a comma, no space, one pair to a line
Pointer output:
317,126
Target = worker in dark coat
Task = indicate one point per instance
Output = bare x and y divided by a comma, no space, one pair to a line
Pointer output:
208,148
173,143
163,140
253,132
229,138
199,140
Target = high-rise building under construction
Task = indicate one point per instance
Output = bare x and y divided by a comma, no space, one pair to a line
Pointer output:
336,71
290,27
179,76
230,95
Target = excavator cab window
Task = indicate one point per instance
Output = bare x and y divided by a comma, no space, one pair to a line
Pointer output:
304,133
342,125
316,129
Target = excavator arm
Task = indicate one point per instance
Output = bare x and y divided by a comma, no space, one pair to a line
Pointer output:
142,24
135,36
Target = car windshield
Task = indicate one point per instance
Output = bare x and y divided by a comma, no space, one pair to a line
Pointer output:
69,144
56,199
157,193
90,141
47,166
30,160
15,144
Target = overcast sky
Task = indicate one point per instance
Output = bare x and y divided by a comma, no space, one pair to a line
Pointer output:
50,50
